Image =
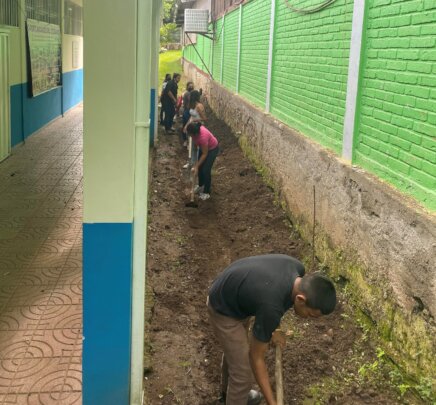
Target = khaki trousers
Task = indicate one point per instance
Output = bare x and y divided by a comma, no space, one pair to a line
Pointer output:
236,374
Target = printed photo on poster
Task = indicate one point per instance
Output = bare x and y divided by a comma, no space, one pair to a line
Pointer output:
44,41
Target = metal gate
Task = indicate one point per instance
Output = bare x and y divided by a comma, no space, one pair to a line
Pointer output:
5,126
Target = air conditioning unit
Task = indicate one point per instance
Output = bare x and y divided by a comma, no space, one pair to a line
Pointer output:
196,20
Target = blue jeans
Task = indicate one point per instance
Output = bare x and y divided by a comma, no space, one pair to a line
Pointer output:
185,119
205,170
170,111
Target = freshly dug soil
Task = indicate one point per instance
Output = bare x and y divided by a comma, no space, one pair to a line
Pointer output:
188,247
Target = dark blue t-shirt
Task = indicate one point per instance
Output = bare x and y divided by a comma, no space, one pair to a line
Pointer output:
259,286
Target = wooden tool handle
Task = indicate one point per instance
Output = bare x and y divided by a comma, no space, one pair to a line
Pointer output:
279,376
192,186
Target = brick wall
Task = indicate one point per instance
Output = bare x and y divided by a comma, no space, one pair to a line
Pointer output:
217,46
310,69
254,51
396,132
231,50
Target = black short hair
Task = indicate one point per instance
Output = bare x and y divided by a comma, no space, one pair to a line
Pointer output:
176,75
194,98
319,291
193,128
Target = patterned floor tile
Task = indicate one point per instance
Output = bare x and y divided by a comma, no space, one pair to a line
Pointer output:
41,210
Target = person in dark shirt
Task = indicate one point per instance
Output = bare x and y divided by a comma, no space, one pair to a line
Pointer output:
169,101
186,115
264,287
166,80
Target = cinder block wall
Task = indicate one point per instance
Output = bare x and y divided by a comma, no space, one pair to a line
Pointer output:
397,120
254,51
310,70
230,51
395,130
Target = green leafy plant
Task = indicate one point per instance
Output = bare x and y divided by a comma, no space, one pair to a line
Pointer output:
167,32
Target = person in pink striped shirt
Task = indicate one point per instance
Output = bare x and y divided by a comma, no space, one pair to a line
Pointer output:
207,144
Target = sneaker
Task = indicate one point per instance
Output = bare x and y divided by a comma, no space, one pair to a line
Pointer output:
187,165
204,196
185,143
198,189
254,397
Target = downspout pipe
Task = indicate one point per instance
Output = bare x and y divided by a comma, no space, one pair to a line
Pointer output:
144,28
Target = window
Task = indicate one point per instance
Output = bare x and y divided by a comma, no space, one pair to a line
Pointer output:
9,12
73,18
44,10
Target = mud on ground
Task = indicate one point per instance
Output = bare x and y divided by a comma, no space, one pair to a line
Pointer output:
326,361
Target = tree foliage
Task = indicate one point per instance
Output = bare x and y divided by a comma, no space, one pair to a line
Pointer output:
169,28
167,32
168,10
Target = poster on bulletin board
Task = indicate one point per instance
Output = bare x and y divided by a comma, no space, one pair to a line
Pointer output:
44,41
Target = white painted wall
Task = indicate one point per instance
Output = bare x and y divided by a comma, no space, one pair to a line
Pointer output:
17,40
67,52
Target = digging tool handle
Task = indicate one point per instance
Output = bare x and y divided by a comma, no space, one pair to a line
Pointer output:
279,376
192,187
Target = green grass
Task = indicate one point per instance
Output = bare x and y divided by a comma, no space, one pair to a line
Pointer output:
170,62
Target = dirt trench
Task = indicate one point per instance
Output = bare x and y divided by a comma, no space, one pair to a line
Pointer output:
326,361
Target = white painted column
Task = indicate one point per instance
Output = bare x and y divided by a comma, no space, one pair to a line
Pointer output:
155,64
144,73
222,48
109,198
238,65
5,102
211,55
270,55
353,79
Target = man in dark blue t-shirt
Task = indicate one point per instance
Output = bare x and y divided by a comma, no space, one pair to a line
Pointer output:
264,287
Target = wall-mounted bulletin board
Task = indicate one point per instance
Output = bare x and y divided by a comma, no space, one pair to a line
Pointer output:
44,42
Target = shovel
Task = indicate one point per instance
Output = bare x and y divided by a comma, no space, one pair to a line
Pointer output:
192,202
279,376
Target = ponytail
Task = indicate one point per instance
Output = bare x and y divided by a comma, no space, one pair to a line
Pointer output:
193,128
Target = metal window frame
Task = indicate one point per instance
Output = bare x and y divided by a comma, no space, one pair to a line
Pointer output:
48,11
10,13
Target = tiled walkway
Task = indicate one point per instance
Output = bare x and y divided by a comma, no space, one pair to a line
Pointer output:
40,267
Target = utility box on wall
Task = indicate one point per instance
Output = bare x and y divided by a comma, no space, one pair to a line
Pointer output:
196,21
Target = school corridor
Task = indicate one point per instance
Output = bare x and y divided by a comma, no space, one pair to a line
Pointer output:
41,267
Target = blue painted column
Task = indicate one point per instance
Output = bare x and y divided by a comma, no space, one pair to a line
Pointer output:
107,283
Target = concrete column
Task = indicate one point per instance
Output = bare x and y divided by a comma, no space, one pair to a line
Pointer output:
155,85
238,66
353,79
62,19
222,49
145,63
270,55
109,174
